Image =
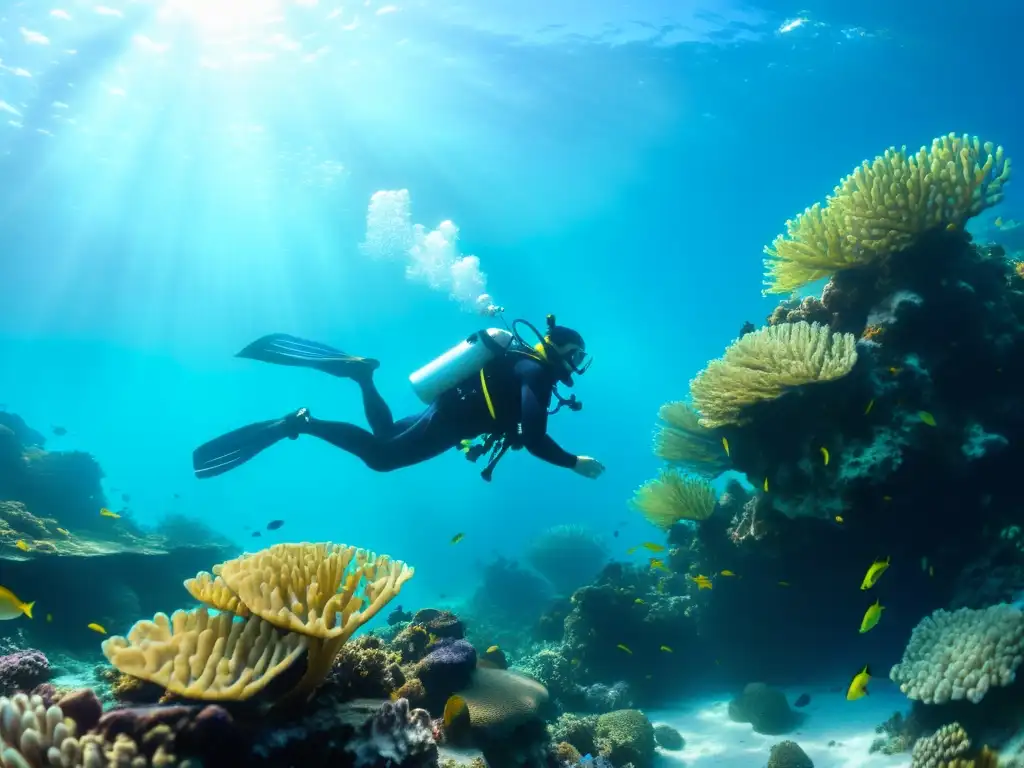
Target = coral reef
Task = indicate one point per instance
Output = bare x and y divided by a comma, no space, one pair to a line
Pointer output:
941,748
765,708
673,496
626,737
366,669
334,589
22,671
961,654
568,556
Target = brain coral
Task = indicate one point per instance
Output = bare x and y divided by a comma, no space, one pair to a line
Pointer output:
961,654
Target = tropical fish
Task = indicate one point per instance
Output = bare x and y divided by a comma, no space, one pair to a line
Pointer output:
725,445
859,685
49,618
493,649
871,616
766,485
456,712
824,454
952,227
802,700
273,525
931,570
999,221
458,537
652,547
702,582
785,584
638,601
727,573
871,404
107,513
11,607
658,565
97,628
666,649
874,573
894,370
59,431
65,531
20,544
839,519
625,648
926,417
256,534
887,498
615,534
632,550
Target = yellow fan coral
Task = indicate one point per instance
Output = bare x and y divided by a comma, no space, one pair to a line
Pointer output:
883,206
764,364
319,594
680,439
673,496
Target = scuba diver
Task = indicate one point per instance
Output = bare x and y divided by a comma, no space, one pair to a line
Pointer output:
488,394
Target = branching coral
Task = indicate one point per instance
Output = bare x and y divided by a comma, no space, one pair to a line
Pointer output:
320,594
680,439
765,364
961,654
883,206
673,496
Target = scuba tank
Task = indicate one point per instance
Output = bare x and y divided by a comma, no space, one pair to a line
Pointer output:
459,363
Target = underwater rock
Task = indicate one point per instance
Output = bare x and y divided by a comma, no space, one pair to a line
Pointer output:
668,737
82,706
22,671
626,736
765,708
439,623
447,668
366,669
788,754
578,730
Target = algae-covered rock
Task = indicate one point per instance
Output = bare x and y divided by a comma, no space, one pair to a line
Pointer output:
765,708
788,754
626,736
668,737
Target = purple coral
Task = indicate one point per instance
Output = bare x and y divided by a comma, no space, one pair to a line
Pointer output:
22,671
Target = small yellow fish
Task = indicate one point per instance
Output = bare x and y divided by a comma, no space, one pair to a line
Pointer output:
874,573
661,587
871,405
839,519
638,601
458,537
658,565
666,649
107,513
622,647
65,531
652,547
97,628
894,370
456,712
20,544
999,221
702,582
824,454
785,584
11,607
727,573
632,550
871,616
49,618
725,444
931,570
493,649
575,662
766,485
926,417
951,227
887,498
859,685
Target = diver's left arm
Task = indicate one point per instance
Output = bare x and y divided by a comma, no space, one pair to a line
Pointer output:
536,395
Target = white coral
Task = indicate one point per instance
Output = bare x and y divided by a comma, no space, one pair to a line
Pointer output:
961,654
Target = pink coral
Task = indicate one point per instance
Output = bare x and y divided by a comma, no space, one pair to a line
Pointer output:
22,671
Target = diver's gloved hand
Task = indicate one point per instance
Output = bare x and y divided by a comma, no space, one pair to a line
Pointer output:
588,467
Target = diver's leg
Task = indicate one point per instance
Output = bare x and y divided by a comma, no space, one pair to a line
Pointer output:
378,414
424,437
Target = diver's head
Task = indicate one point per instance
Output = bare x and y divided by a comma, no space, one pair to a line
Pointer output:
569,348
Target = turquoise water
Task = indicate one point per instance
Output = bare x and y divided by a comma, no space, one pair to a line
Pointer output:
178,181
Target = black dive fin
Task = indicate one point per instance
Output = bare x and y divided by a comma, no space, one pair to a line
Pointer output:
224,453
283,349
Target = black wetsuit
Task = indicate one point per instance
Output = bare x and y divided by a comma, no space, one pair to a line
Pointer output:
520,390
